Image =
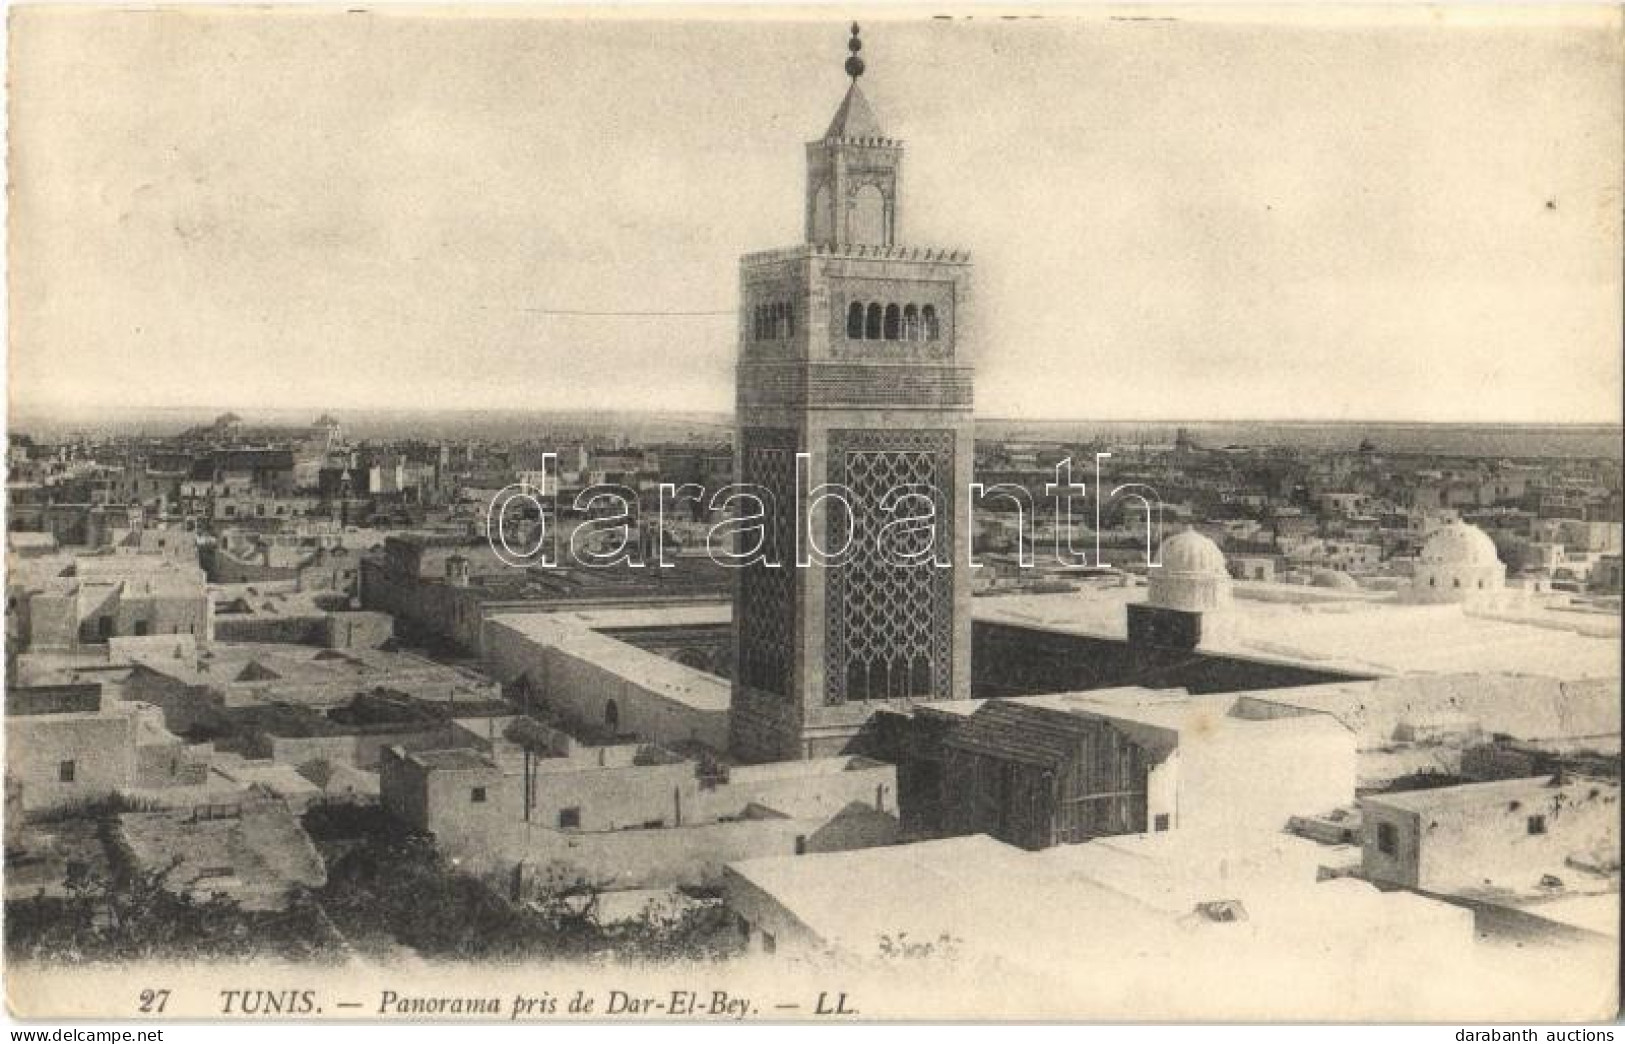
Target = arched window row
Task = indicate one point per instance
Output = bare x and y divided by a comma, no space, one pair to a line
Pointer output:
773,322
877,322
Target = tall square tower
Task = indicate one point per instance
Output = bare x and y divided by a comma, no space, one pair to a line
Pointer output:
854,369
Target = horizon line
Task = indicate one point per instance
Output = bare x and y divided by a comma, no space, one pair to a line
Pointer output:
37,415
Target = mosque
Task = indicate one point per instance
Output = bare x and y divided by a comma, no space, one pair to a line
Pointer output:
1188,701
856,355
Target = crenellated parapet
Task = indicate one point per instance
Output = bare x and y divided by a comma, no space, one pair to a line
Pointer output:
865,142
860,251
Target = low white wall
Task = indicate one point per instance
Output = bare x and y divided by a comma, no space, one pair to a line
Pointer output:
689,855
580,672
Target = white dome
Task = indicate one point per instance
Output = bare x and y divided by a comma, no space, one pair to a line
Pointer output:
1191,575
1334,579
1459,544
1191,553
1458,562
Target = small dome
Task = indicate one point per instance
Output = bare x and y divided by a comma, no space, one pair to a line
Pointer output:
1191,553
1191,577
1335,579
1458,543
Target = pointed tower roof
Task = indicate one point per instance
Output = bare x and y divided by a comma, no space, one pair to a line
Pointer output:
854,119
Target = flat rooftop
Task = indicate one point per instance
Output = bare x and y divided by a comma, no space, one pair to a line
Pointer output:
220,664
1355,632
579,633
1476,795
1360,635
1569,714
628,618
1594,913
1172,709
460,758
256,854
1035,910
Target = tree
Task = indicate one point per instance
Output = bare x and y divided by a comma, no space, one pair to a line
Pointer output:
139,914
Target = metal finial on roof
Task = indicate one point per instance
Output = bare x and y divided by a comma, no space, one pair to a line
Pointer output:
854,64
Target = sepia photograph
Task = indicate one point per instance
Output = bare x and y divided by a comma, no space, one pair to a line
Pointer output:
812,514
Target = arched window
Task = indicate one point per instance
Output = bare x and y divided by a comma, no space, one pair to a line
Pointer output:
911,323
821,230
893,320
854,321
871,323
928,319
866,220
612,716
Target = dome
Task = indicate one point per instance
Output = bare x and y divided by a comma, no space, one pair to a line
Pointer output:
1191,553
1459,544
1335,579
1191,575
1458,562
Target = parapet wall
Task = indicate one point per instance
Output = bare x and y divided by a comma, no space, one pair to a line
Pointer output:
688,855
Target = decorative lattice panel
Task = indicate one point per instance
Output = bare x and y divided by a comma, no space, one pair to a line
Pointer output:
889,626
767,597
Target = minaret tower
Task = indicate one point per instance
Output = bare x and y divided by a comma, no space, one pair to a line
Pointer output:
854,351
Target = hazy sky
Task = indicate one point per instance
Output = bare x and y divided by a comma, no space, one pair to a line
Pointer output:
1212,218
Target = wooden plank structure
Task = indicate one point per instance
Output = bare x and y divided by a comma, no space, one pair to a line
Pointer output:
1035,777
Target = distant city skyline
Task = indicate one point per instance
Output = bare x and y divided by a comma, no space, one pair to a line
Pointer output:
1213,220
